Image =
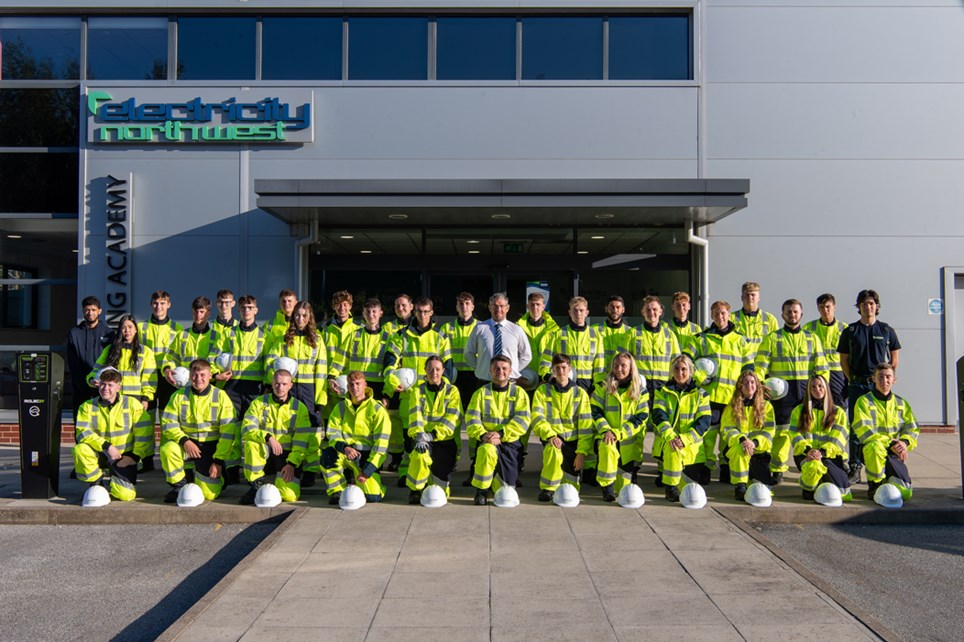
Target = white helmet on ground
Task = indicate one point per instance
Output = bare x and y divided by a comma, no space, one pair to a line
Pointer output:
223,360
759,495
268,496
352,498
888,496
706,366
434,497
507,497
285,363
828,494
531,379
341,381
631,496
566,496
182,376
905,488
190,496
777,387
692,496
95,497
406,377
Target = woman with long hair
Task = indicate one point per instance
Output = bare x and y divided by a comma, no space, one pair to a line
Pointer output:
135,362
819,438
747,425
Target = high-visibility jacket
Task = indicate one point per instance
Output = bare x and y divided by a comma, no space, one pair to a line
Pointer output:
457,332
734,428
505,411
564,413
880,419
139,379
618,412
366,354
274,330
396,325
222,333
288,422
681,411
654,349
247,353
438,411
585,349
754,327
829,338
793,355
338,338
731,352
124,424
191,345
312,363
159,337
616,338
539,333
202,417
832,441
410,348
364,427
684,331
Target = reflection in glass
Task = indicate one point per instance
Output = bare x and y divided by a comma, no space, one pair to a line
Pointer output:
39,48
126,48
46,183
650,48
39,117
387,48
562,48
475,48
215,48
301,48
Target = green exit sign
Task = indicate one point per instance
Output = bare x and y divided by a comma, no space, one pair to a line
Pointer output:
513,248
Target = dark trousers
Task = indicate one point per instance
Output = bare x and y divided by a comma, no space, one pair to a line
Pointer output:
305,393
127,472
838,389
857,389
782,408
242,392
444,455
508,467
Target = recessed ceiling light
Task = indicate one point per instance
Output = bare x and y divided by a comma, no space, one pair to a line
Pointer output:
398,217
366,251
473,251
14,236
597,237
501,216
603,216
582,252
346,236
472,242
75,251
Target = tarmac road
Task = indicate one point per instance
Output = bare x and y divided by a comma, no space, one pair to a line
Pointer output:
911,578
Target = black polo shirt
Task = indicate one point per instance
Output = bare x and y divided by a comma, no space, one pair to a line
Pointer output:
866,346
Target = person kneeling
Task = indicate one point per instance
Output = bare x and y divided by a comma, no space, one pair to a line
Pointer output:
748,425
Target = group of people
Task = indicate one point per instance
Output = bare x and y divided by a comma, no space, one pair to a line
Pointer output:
281,404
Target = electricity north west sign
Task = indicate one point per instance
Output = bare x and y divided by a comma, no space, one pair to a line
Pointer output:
138,120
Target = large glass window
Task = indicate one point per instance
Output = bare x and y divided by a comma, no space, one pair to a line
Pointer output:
216,48
562,48
39,117
475,48
650,48
301,48
126,48
45,183
39,48
388,48
18,302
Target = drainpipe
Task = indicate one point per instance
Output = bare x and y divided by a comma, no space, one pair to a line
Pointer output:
704,284
301,265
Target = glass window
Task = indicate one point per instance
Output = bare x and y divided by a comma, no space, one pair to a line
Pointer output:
301,48
475,48
18,302
215,48
127,48
45,183
39,117
650,48
388,48
562,48
39,48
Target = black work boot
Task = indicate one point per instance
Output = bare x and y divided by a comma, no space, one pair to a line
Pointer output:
334,498
171,497
308,478
248,498
672,493
545,495
724,473
394,462
481,497
415,497
739,491
608,493
854,475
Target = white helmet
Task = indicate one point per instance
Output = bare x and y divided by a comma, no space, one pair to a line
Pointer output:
95,497
566,496
906,490
759,495
406,377
182,376
777,387
190,496
268,496
706,366
531,377
631,496
342,382
434,497
693,496
352,498
888,496
828,494
507,497
642,382
285,363
224,360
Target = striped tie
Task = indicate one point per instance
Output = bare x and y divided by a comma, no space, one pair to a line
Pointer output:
497,341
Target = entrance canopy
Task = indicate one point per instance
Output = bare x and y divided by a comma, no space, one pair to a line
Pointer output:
505,202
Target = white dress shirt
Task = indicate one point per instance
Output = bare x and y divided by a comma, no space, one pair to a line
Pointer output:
515,345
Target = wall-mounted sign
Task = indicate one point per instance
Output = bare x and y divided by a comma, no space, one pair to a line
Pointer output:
119,212
935,306
153,118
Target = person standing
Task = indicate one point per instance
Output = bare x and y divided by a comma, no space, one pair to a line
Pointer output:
85,342
497,337
682,327
275,328
458,331
752,322
829,329
582,343
159,334
537,324
617,335
225,320
863,346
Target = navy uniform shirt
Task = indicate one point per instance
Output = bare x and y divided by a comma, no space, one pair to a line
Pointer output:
866,346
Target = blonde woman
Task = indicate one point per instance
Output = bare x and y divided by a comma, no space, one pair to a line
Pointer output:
620,408
747,425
